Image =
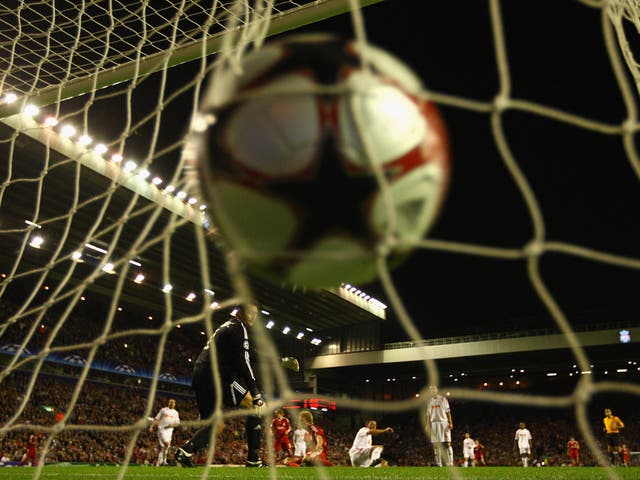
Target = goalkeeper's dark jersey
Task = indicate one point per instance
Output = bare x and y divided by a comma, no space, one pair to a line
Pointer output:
235,355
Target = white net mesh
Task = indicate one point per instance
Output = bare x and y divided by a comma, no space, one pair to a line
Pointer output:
93,195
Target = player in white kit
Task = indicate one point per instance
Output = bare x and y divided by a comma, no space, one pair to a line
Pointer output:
439,425
300,437
166,420
523,443
467,449
363,453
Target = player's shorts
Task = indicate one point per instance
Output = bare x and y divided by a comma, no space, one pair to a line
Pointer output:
360,457
164,436
300,450
524,450
468,453
233,390
574,453
440,432
613,439
281,443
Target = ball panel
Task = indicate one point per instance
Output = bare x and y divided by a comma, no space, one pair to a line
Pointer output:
331,258
261,214
393,123
414,199
284,132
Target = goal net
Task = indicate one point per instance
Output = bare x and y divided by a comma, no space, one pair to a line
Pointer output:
101,221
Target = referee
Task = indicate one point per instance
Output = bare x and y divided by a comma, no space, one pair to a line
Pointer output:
240,389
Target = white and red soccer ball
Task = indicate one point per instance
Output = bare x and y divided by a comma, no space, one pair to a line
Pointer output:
291,163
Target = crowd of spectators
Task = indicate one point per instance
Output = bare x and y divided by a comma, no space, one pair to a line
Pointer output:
108,417
123,408
118,347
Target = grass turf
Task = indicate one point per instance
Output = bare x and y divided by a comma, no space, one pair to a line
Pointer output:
347,473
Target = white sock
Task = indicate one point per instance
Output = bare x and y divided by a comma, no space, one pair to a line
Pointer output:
450,455
438,455
525,461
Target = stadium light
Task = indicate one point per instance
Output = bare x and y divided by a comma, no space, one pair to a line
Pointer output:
36,241
156,181
31,110
286,330
10,98
270,324
50,122
130,166
67,130
316,341
167,288
108,268
100,149
85,140
300,335
139,278
97,249
190,297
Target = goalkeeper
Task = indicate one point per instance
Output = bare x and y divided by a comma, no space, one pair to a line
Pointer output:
240,389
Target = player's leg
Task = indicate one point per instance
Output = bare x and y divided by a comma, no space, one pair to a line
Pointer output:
160,457
437,437
203,388
437,453
253,430
376,456
449,454
288,448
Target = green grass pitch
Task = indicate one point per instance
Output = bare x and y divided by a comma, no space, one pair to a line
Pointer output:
347,473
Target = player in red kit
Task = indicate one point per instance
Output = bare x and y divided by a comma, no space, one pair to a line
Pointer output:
573,449
478,454
31,456
281,428
624,454
317,448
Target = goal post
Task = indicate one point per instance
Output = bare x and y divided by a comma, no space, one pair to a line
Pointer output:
286,15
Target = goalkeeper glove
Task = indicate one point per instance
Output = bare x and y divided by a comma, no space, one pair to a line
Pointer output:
259,405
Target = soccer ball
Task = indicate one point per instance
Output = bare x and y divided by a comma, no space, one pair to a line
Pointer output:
292,153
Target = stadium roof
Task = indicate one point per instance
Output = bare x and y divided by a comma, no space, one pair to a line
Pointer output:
317,310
